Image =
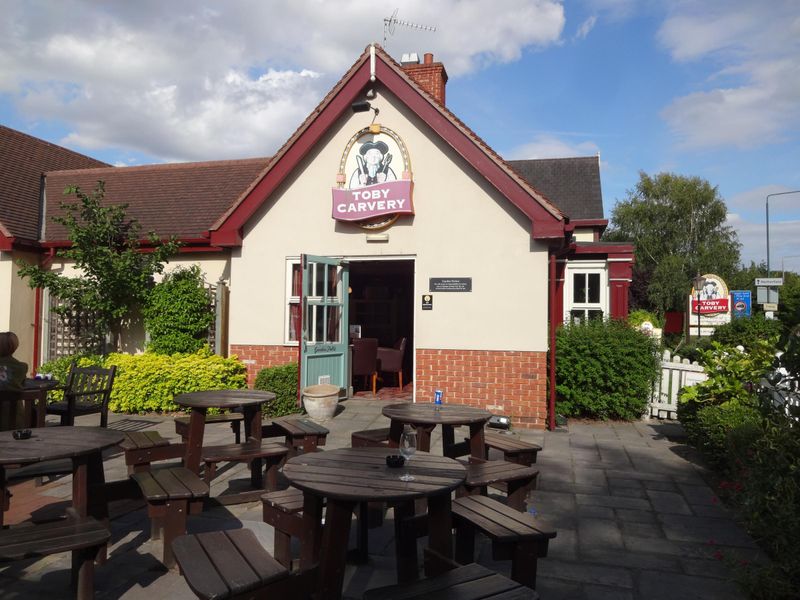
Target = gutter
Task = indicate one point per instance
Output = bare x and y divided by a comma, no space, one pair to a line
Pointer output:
554,324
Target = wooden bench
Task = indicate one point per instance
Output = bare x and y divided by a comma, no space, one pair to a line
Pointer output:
518,536
370,438
171,494
470,582
513,448
232,564
518,480
252,452
143,447
301,434
85,537
283,510
234,418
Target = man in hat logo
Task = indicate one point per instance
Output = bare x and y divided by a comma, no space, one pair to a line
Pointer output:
373,161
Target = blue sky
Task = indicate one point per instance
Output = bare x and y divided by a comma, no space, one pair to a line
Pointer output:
696,87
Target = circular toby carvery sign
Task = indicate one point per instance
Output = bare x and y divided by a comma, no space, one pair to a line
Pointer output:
374,180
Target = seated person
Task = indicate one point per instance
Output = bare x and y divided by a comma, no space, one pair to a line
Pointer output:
12,371
12,377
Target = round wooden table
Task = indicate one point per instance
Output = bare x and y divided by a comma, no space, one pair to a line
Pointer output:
250,402
424,417
349,476
84,445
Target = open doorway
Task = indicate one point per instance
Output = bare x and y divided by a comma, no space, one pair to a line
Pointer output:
382,307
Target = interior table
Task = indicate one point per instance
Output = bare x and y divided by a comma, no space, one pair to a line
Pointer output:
349,476
425,417
84,445
249,401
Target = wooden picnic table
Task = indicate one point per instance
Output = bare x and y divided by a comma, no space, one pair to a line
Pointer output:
84,445
425,417
249,401
34,403
348,476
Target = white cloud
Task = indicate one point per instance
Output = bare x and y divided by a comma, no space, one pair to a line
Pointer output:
550,146
585,27
196,79
784,239
753,96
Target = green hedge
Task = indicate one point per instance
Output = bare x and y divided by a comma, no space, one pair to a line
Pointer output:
148,382
59,368
282,380
605,369
755,452
745,331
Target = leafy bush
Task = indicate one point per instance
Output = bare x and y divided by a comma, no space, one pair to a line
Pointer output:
282,380
732,377
717,430
762,483
178,313
744,332
637,317
604,369
149,382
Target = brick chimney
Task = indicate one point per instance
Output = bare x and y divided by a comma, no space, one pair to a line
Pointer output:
429,75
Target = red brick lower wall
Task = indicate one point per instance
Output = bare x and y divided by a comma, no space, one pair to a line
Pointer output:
256,358
506,383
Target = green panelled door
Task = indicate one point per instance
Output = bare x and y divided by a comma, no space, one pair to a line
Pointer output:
324,340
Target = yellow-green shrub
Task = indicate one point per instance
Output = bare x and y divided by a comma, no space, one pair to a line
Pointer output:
149,382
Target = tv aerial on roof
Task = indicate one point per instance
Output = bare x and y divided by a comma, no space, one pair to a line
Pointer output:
390,22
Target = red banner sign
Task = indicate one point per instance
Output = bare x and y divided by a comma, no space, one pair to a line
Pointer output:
388,198
709,307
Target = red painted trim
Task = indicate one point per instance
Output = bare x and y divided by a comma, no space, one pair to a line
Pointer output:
6,243
37,329
590,222
472,153
551,404
229,232
545,224
622,249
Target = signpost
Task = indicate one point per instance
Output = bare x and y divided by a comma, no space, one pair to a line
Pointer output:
769,281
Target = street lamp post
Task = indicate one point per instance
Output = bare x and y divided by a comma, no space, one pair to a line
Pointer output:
698,283
768,197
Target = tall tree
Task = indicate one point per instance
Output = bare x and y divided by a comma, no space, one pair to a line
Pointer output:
115,276
678,226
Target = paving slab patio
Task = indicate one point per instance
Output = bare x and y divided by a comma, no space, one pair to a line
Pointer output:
634,515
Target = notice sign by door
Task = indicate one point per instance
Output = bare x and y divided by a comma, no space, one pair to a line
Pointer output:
427,301
450,284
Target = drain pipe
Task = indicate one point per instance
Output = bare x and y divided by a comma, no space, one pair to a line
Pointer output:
554,324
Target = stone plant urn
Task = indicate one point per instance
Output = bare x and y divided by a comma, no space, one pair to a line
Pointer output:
320,401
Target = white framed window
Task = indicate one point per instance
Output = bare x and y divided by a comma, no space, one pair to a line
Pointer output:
294,278
324,321
586,292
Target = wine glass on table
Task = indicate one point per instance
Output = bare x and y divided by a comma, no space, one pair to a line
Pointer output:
408,446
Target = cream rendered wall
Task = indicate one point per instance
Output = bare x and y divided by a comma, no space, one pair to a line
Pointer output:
462,228
17,304
583,235
213,265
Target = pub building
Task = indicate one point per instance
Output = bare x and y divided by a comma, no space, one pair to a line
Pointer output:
383,216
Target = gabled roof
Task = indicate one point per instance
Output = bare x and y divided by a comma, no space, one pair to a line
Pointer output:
177,199
23,161
573,184
547,221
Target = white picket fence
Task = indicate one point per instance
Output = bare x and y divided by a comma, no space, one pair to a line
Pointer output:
675,374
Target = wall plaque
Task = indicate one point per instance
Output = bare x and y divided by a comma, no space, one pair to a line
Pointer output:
450,284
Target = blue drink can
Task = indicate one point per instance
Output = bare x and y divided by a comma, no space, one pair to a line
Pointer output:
437,397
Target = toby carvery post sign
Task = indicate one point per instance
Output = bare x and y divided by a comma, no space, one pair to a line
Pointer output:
711,302
374,181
